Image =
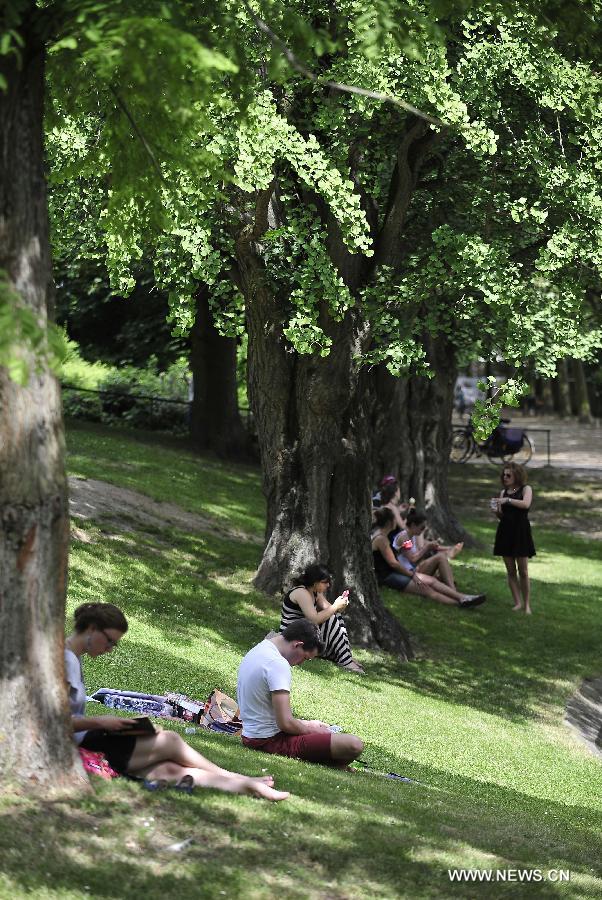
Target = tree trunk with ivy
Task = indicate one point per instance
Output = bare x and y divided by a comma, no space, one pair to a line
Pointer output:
314,443
36,746
215,421
312,412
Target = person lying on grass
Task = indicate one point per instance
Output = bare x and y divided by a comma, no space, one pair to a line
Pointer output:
264,698
161,758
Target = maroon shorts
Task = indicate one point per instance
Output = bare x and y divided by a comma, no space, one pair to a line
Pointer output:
313,747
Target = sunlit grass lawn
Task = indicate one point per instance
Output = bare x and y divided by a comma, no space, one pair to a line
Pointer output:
477,719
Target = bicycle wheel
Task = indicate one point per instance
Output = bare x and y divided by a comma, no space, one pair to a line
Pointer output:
460,447
523,455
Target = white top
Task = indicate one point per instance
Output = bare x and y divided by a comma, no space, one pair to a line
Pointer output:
77,691
262,671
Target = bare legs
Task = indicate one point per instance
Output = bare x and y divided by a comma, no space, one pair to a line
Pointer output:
452,552
167,756
518,582
439,565
427,586
523,574
346,747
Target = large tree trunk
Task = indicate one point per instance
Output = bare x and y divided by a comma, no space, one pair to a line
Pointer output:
430,410
392,452
36,746
215,422
312,412
411,421
314,442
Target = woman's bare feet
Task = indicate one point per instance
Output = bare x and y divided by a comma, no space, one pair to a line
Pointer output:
517,607
457,548
528,610
256,787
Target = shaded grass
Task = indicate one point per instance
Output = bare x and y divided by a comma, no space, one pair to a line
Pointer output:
477,720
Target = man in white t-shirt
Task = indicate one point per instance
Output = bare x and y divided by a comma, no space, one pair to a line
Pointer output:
264,689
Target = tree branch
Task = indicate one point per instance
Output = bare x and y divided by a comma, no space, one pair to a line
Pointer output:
123,107
300,67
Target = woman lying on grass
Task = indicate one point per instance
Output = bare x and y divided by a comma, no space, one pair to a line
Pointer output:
163,758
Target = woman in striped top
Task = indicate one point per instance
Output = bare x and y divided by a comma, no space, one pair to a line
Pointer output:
307,600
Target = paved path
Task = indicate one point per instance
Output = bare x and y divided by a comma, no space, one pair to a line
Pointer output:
572,445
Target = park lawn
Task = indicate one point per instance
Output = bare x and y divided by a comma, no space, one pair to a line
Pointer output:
476,719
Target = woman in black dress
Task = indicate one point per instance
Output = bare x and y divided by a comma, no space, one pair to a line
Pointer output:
513,540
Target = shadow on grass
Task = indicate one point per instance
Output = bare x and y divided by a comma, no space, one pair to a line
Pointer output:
488,658
493,659
341,835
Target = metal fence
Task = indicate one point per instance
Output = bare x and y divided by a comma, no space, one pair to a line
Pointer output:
140,410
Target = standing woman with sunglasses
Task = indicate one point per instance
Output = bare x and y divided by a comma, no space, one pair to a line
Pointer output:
162,758
513,540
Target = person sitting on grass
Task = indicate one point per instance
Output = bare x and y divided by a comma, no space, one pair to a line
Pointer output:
392,573
264,699
428,558
307,600
390,498
160,759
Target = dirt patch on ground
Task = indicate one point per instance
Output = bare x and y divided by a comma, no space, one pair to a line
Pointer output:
125,510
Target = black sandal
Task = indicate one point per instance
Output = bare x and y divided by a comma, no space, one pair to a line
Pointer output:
185,784
155,784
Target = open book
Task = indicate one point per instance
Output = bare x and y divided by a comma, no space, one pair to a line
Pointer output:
141,726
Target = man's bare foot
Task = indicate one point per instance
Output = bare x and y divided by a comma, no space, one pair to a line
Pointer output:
528,610
457,548
516,607
255,787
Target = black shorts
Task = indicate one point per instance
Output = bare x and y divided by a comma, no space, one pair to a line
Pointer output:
117,748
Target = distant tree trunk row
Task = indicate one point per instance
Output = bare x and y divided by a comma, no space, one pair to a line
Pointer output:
566,395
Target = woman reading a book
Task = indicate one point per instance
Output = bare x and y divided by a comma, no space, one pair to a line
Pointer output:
160,758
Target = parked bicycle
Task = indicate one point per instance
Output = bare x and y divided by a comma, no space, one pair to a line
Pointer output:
502,446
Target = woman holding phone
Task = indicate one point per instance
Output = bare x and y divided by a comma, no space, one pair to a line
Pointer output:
160,759
307,600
